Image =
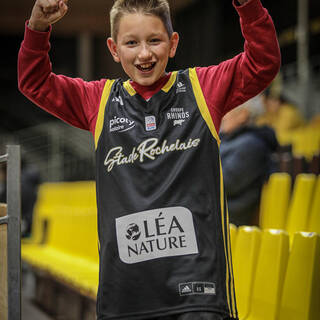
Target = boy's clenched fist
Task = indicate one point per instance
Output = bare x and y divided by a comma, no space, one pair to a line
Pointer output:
47,12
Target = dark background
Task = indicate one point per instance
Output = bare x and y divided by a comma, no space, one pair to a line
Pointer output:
209,32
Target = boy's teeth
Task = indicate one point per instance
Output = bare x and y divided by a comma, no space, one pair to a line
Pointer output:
146,66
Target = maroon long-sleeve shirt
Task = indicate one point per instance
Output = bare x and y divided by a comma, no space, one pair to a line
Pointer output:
224,86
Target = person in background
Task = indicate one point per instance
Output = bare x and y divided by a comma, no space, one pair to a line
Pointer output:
279,114
246,154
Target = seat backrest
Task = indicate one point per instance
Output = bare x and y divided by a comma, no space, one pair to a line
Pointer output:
270,272
300,204
49,195
54,197
74,232
276,201
301,290
305,142
314,218
245,256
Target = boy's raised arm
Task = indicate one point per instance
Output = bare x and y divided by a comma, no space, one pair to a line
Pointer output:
232,82
73,100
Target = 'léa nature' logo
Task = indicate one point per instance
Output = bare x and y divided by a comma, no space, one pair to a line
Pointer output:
155,234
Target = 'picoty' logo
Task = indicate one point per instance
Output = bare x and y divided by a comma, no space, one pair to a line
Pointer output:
118,124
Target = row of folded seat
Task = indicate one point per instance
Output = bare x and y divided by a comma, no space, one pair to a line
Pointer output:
277,272
304,141
273,280
291,207
277,265
64,240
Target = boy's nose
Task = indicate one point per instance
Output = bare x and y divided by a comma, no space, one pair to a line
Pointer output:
145,53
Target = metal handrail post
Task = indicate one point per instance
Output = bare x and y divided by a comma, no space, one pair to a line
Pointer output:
14,231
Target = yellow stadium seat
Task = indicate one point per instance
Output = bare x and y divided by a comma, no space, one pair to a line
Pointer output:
70,250
314,219
245,256
53,196
49,194
306,142
301,290
275,199
75,233
270,272
300,204
233,235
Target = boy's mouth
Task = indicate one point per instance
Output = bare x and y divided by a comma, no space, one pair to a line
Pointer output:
146,66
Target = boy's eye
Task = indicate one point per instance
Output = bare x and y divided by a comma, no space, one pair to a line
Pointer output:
131,43
155,40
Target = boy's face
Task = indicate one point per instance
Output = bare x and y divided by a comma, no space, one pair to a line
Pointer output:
143,47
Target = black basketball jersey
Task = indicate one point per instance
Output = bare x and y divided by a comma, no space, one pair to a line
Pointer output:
162,218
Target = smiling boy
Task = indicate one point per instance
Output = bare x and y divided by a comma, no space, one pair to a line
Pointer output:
142,52
163,220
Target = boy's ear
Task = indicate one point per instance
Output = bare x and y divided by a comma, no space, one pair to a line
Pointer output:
174,41
112,46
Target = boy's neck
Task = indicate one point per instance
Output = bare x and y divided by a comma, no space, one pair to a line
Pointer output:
146,92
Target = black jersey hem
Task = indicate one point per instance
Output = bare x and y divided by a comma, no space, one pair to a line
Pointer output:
167,312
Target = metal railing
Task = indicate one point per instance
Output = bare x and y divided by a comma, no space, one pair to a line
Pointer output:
13,221
60,152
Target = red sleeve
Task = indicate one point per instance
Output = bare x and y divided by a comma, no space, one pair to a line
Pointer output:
73,100
235,81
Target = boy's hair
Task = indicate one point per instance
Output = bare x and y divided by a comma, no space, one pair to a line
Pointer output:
158,8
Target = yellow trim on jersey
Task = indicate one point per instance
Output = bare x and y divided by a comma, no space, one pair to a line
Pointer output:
127,85
227,251
201,102
231,268
170,82
102,107
224,239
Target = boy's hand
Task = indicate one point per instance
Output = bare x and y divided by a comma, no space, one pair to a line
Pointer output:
47,12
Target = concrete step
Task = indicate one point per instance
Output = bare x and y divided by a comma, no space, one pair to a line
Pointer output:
30,311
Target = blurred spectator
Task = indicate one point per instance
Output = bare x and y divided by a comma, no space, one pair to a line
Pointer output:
280,114
246,155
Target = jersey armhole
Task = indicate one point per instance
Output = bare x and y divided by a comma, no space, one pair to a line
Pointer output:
102,107
202,105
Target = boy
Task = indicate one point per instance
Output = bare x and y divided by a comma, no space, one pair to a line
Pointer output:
163,222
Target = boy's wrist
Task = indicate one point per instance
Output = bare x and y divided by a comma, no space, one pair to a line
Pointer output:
36,26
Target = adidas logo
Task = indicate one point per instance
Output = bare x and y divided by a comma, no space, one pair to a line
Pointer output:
181,87
180,84
186,289
118,99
